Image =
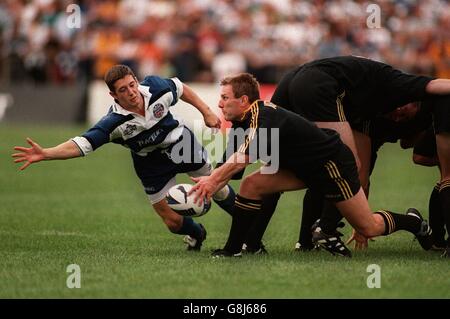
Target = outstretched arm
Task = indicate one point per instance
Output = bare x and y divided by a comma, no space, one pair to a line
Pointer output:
36,153
189,96
438,87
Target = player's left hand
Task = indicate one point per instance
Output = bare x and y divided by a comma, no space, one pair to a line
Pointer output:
29,155
212,120
204,187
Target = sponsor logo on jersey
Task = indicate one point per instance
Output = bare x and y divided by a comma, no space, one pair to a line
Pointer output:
151,139
158,110
129,129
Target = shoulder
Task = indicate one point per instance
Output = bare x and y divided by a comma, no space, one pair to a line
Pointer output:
158,87
111,120
156,83
267,108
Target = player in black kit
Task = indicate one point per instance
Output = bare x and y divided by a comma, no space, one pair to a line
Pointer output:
425,153
337,92
307,156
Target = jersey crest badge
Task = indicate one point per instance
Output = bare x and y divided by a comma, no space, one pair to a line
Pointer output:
158,110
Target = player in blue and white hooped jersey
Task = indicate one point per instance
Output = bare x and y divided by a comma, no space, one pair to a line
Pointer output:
140,120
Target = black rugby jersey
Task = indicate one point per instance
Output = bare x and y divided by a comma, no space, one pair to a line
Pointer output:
371,88
300,143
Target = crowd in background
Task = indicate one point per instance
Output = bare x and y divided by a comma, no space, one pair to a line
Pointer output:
202,40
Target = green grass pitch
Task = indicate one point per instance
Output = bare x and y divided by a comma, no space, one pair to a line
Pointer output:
92,212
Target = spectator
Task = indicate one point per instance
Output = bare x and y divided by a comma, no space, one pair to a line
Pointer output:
185,36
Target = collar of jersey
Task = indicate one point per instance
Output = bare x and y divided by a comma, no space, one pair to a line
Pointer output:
254,104
145,91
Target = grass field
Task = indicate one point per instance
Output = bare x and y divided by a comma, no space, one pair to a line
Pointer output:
92,212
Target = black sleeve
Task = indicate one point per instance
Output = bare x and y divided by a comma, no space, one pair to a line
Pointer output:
401,87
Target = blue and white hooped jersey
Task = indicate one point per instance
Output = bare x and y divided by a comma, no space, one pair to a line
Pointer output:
158,129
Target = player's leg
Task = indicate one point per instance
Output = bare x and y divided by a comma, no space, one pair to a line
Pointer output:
425,153
330,216
346,134
364,150
339,183
177,224
253,239
443,148
312,211
436,217
381,223
360,145
157,172
256,185
441,123
248,204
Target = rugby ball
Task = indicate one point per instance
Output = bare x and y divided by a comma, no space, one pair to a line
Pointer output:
178,199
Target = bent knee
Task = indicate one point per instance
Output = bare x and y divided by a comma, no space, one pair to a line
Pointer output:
248,183
373,228
251,186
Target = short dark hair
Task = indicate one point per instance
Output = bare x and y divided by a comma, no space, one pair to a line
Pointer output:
243,84
115,73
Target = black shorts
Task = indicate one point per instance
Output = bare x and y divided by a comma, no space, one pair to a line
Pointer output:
426,144
440,108
313,93
337,178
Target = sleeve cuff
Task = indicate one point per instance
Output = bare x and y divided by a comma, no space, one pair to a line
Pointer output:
83,144
179,86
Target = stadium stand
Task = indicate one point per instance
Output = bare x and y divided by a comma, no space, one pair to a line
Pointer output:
189,38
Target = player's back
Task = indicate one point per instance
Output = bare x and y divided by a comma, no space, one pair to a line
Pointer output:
351,71
369,88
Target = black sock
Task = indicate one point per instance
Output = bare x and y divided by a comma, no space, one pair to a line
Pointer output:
312,210
436,216
330,218
259,226
245,212
444,196
394,222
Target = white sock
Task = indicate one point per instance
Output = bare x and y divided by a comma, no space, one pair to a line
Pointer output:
222,194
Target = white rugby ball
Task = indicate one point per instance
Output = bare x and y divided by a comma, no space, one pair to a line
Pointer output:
178,199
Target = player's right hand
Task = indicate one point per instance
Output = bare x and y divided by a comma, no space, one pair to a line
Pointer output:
361,242
28,155
204,188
